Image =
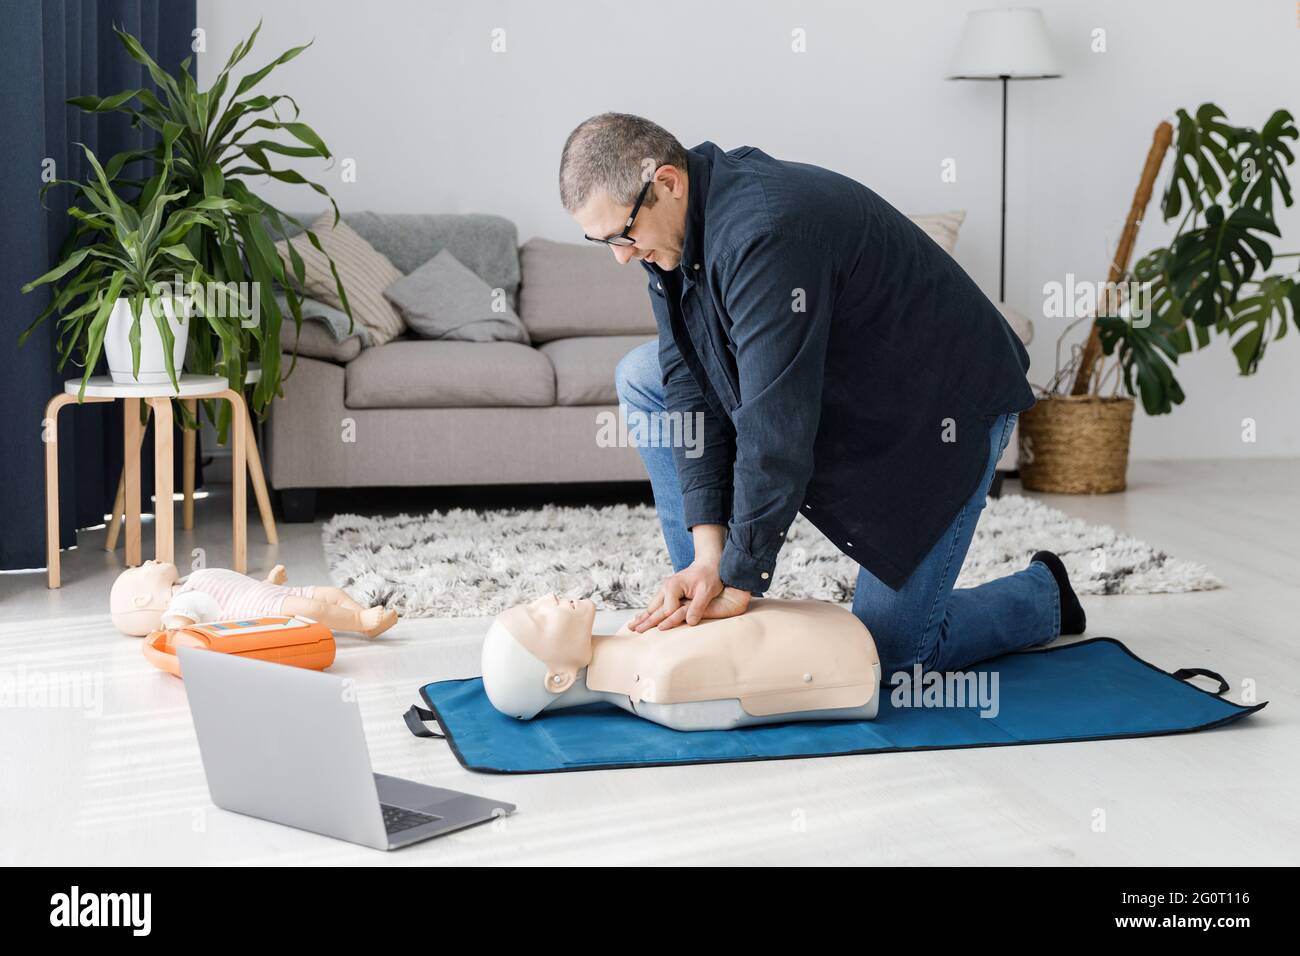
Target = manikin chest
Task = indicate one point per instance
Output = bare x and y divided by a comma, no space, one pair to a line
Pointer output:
777,657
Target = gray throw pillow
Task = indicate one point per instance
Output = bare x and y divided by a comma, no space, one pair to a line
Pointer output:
444,299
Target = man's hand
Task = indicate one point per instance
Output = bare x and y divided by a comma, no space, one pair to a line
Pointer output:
691,595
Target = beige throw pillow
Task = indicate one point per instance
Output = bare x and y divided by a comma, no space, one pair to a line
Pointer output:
942,227
364,270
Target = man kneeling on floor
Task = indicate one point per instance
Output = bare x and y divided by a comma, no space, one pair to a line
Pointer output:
844,367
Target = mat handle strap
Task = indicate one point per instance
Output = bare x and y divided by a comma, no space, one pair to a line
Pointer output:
415,718
1187,672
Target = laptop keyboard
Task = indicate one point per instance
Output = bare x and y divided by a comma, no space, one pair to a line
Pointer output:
397,819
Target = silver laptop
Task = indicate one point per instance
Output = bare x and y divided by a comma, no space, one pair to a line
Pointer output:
286,744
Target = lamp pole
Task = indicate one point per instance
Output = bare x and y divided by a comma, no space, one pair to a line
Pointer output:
1002,240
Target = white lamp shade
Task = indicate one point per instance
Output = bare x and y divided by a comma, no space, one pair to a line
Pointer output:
1006,42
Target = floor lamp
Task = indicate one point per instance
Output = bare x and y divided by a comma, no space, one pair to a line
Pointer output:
1006,44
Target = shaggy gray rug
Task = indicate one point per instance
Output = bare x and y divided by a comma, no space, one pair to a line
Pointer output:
465,563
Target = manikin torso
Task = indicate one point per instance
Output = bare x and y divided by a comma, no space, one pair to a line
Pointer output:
779,661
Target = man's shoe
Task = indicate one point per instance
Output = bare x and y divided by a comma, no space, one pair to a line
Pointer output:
1073,620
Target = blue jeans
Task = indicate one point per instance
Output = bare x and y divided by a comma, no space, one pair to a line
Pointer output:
927,621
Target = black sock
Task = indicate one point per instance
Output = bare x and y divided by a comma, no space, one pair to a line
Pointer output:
1073,620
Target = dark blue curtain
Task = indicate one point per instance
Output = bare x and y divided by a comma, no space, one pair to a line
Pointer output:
50,51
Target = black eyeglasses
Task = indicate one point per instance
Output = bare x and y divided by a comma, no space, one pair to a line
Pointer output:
623,239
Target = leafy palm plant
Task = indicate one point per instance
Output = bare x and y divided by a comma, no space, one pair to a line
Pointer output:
218,138
134,249
1212,279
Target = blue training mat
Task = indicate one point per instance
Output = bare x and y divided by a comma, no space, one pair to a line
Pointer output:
1095,689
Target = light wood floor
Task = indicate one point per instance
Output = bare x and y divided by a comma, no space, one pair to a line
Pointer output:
122,784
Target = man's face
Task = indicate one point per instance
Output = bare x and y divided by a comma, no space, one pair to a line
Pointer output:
659,230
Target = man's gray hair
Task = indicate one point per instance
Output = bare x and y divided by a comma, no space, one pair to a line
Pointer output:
615,153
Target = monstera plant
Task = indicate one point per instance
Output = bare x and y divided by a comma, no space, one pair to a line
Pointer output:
215,141
1216,278
1213,279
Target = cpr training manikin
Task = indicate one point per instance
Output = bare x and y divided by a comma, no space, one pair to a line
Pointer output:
153,596
779,661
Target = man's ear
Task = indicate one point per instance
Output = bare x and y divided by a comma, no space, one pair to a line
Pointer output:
676,182
557,682
140,600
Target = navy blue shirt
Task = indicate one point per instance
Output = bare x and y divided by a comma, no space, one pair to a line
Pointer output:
844,365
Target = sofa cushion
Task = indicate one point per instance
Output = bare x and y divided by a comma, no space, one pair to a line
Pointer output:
568,289
416,373
445,300
584,366
364,272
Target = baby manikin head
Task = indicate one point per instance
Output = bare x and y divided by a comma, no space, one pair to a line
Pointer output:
534,652
140,595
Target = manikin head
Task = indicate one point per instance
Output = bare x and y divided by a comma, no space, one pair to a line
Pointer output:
605,165
534,652
140,595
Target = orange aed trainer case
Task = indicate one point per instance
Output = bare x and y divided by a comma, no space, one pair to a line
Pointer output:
298,641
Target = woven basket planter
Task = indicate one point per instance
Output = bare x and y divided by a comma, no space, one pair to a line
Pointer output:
1075,444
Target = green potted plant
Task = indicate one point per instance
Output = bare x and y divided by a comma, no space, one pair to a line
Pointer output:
1212,281
220,139
104,288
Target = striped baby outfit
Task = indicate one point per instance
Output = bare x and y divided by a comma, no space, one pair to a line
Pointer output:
239,595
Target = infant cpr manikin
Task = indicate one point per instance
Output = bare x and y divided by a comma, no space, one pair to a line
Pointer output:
779,661
152,596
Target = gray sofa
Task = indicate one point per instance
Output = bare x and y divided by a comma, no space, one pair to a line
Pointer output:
421,412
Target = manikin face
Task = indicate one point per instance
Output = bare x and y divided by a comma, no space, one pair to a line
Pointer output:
533,653
159,574
140,595
556,621
659,230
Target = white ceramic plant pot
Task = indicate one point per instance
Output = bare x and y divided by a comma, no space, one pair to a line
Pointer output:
153,366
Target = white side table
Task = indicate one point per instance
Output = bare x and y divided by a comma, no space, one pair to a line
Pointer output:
101,388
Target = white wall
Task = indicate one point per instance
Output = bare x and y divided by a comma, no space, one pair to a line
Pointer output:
438,122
